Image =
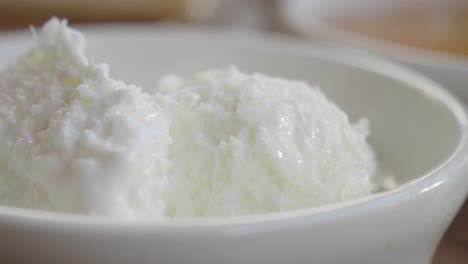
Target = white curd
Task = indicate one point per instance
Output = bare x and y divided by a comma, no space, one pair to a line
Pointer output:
221,143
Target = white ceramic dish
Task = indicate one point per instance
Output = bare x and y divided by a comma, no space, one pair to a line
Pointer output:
306,17
419,131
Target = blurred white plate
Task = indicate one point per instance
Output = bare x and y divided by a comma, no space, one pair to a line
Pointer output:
304,17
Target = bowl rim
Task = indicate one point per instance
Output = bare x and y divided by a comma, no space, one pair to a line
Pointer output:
274,43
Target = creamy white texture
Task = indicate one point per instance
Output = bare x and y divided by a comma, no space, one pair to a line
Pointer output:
73,139
246,144
222,143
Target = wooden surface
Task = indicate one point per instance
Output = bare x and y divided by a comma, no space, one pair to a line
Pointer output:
437,29
453,249
21,14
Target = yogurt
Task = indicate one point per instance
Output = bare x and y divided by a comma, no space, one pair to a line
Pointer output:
221,143
75,140
244,144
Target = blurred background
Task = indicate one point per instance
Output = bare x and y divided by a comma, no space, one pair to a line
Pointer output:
433,24
430,35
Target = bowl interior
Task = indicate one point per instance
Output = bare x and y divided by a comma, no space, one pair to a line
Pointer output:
412,131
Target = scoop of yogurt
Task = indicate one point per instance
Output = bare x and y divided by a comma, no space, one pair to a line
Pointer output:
221,143
75,140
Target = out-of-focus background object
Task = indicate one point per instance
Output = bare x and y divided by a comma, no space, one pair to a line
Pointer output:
436,26
439,25
428,35
21,13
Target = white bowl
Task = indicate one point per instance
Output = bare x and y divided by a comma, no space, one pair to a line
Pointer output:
311,18
419,132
